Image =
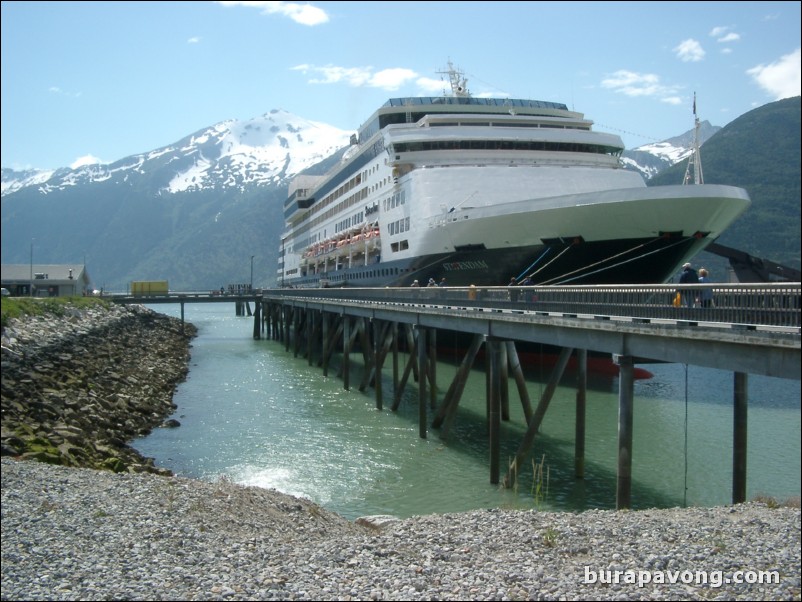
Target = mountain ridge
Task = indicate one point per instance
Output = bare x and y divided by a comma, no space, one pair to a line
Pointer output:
195,211
211,155
229,153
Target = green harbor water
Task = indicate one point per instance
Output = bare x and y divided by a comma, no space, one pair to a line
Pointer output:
251,411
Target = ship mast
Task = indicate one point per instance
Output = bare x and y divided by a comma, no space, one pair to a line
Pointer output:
457,80
695,159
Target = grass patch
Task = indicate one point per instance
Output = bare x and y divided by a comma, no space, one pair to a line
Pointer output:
771,502
18,307
550,537
540,482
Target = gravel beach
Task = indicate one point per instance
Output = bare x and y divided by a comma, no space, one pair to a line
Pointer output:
82,534
76,533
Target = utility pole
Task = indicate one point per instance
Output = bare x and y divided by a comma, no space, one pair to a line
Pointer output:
252,256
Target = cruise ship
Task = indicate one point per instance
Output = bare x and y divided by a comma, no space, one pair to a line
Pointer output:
468,190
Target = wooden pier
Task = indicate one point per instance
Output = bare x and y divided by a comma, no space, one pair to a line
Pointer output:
241,301
752,329
749,329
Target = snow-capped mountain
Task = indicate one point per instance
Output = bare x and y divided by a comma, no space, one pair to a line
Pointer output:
187,212
266,150
233,154
650,159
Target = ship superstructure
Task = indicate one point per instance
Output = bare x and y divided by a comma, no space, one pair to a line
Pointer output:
482,190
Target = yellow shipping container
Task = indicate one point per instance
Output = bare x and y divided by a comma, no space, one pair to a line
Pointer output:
149,287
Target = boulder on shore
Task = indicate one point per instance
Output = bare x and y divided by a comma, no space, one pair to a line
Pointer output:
77,388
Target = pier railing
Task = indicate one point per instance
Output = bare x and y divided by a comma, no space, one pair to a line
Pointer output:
771,305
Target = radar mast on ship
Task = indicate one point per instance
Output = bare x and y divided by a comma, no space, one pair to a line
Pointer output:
457,80
695,160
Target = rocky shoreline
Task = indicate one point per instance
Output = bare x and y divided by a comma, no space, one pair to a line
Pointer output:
76,389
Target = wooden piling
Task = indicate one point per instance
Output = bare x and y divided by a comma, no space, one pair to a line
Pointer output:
626,388
740,406
422,382
346,352
494,404
520,381
581,397
324,358
378,348
395,355
257,333
310,334
432,366
504,381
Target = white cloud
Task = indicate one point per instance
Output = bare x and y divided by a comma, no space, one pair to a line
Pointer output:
59,92
353,76
194,40
724,35
689,51
392,79
431,86
639,84
781,79
85,160
386,79
730,37
305,14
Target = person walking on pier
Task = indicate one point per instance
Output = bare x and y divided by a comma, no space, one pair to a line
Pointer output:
688,276
706,294
513,293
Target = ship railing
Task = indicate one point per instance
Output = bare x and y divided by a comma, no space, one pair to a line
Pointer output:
748,306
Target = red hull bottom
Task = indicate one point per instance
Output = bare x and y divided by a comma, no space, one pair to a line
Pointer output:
597,364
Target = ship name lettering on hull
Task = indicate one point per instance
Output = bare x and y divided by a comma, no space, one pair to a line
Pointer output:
465,265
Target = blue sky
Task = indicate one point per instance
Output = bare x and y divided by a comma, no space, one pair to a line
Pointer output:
98,81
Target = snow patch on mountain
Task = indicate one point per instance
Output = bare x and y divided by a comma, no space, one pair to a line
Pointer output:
650,159
665,150
264,150
13,180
